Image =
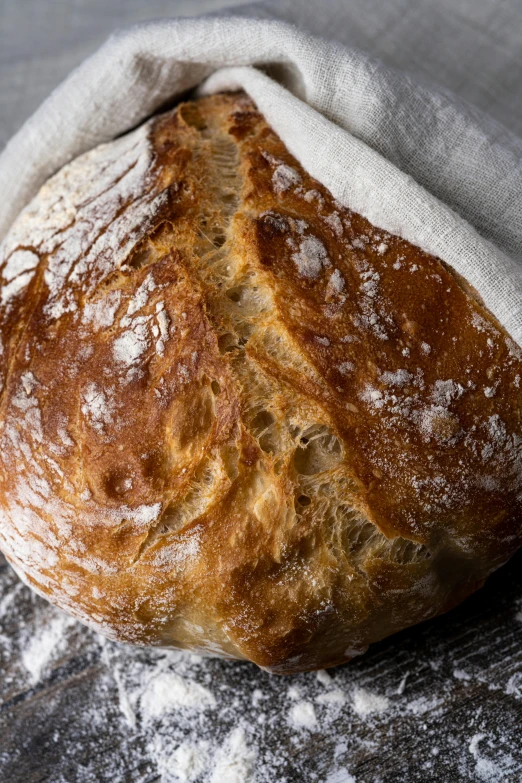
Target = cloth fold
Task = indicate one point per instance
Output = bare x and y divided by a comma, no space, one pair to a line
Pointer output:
415,161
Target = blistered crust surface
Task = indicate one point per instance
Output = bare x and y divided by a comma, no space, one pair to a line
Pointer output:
237,417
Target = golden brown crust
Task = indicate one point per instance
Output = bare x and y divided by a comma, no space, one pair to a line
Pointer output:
237,417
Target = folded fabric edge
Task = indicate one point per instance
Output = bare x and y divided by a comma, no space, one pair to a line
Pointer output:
138,82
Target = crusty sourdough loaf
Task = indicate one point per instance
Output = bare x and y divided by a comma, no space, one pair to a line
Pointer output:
236,417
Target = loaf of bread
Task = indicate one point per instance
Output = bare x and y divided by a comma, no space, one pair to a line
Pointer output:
235,416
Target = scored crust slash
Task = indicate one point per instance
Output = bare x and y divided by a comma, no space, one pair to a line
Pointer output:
235,416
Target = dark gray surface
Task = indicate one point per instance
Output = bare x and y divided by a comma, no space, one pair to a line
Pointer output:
450,691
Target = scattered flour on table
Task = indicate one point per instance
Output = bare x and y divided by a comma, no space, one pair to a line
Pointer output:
340,776
45,643
514,685
168,692
365,702
323,677
9,599
302,715
235,759
489,768
333,697
175,717
185,764
460,674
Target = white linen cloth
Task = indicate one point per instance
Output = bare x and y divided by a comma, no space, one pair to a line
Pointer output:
414,160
